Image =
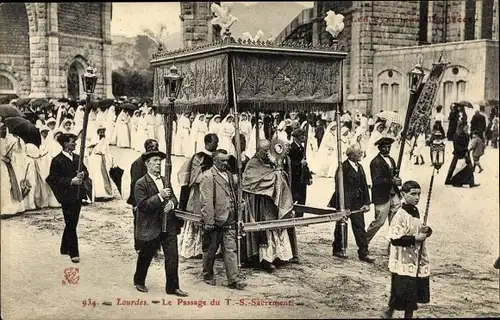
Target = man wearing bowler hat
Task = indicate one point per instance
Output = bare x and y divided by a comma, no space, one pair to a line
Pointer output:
154,200
385,192
64,180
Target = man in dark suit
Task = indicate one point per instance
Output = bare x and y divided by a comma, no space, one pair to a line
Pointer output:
478,123
300,173
385,192
137,171
64,180
153,201
356,197
218,210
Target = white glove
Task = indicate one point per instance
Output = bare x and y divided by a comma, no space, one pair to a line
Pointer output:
169,207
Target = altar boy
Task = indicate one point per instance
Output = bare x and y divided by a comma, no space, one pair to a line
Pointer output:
410,275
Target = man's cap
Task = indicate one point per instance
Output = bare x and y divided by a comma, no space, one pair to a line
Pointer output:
149,154
298,132
384,141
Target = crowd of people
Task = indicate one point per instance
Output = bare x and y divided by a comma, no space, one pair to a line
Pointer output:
46,176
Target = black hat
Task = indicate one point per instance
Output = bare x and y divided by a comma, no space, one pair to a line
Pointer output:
65,136
146,155
298,132
384,141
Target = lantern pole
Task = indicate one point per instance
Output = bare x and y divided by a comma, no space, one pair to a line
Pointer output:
340,176
239,197
89,80
172,89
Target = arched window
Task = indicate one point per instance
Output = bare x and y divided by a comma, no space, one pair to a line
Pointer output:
6,86
395,97
384,96
461,89
448,96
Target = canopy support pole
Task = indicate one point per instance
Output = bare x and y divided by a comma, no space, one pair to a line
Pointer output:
340,176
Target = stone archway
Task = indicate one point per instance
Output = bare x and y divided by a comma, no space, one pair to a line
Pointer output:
74,80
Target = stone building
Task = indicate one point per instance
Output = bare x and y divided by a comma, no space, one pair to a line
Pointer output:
385,39
46,47
196,26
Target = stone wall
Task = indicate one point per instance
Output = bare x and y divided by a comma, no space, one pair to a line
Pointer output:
54,35
470,61
80,18
195,24
14,29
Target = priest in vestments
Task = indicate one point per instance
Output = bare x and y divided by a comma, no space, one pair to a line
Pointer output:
268,196
190,176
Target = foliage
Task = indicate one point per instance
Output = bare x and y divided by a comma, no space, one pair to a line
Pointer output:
130,82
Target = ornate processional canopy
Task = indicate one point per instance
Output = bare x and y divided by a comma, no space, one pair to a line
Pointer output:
267,76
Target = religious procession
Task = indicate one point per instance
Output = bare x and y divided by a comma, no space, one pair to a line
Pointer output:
249,142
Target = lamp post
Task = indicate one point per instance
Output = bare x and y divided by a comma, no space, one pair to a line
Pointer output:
437,148
173,83
89,80
415,77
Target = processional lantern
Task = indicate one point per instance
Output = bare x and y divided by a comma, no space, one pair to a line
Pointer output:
437,149
173,83
416,76
89,80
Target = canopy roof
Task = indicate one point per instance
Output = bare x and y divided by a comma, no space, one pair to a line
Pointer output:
267,76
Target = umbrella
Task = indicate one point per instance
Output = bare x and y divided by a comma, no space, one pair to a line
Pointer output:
466,104
116,175
105,103
22,102
128,106
24,129
390,116
39,102
7,110
8,98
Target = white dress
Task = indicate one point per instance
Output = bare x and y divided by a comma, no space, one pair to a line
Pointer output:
185,144
32,154
122,130
201,131
160,133
226,134
252,143
8,205
44,162
19,163
99,163
326,160
141,133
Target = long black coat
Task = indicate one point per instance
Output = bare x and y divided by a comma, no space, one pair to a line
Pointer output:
150,209
300,175
137,171
382,176
478,123
62,171
356,192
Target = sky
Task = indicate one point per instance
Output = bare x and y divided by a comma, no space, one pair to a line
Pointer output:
130,18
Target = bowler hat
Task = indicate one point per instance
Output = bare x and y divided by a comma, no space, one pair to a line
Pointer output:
384,141
298,132
65,136
146,155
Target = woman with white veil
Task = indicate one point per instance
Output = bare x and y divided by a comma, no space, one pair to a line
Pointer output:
213,125
10,192
327,152
193,135
150,124
110,122
252,143
160,133
141,136
122,130
201,131
184,132
79,113
226,133
310,143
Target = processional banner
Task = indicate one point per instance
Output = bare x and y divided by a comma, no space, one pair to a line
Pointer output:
419,121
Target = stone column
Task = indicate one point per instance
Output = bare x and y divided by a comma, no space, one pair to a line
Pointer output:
479,18
55,79
39,50
316,25
107,63
495,21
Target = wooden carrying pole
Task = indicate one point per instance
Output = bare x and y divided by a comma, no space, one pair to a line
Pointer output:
340,176
239,197
84,139
168,122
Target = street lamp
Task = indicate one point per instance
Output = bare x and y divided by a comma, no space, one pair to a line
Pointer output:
89,79
437,150
173,83
416,75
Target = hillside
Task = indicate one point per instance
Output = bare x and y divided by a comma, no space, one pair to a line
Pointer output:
271,17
